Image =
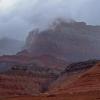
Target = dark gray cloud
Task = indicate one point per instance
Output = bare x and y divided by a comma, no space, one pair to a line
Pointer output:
24,15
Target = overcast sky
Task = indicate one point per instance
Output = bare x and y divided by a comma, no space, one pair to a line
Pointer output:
18,17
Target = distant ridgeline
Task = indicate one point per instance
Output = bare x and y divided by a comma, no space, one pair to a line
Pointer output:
10,46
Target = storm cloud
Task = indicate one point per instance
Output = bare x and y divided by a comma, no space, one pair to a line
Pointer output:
24,15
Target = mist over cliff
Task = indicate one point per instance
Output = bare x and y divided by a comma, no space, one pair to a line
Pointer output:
49,49
18,17
72,41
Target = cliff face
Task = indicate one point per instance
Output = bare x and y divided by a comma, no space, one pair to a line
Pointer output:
26,75
71,41
22,75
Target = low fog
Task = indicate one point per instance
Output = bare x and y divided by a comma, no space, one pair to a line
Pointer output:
18,17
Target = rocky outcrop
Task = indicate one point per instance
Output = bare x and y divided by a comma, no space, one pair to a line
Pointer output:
70,74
